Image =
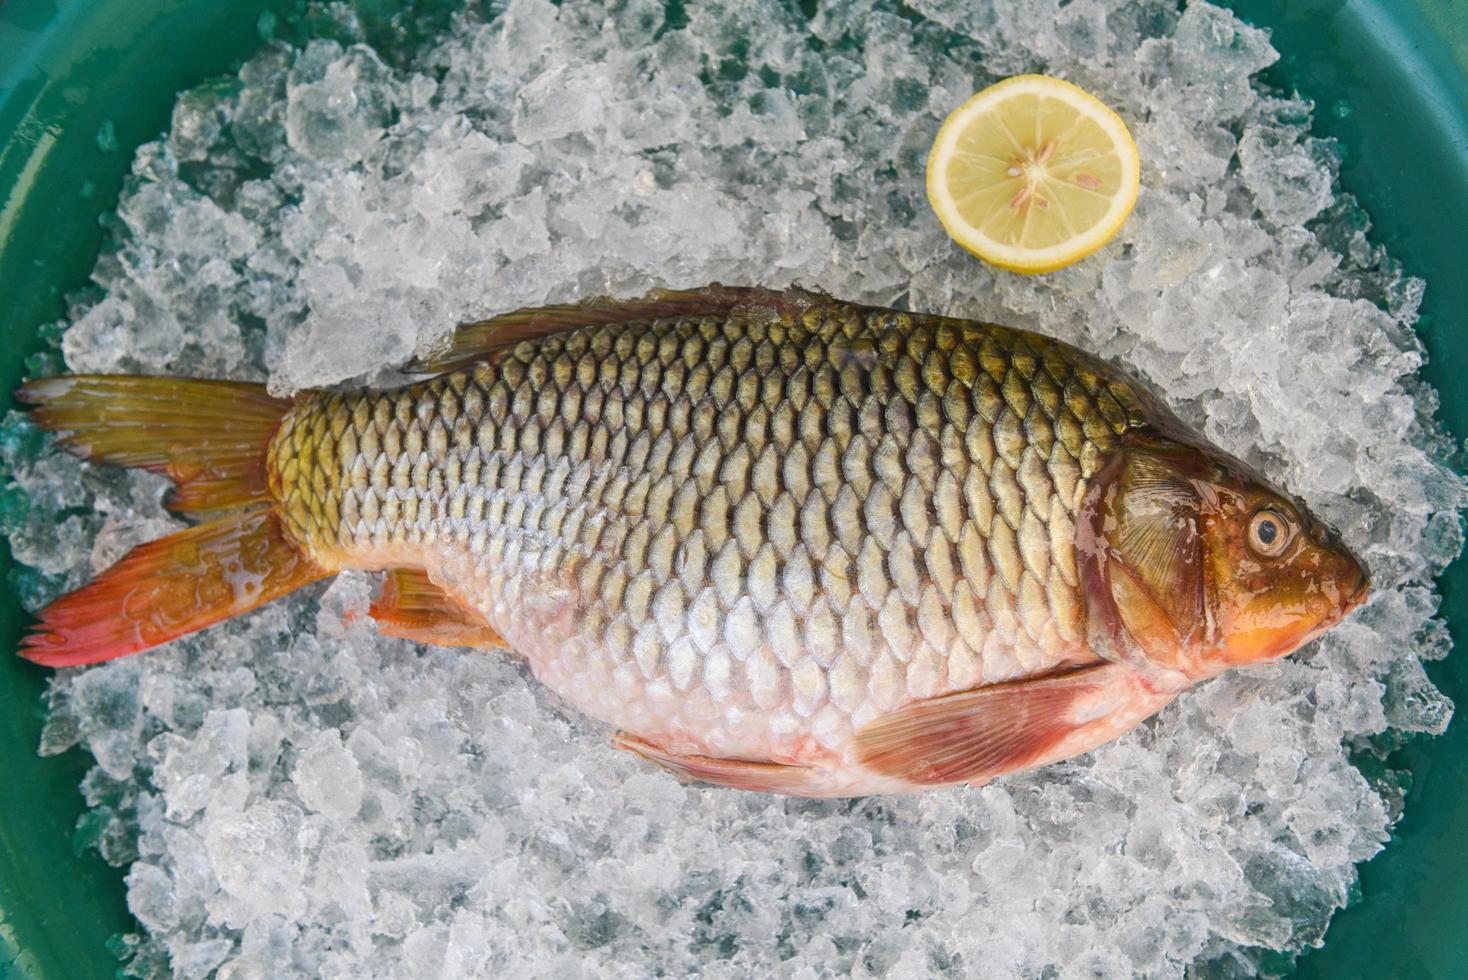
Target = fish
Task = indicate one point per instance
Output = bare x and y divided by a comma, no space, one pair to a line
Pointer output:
776,541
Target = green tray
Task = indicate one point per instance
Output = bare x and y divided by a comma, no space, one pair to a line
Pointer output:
68,69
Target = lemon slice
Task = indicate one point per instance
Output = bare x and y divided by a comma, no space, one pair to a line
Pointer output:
1033,173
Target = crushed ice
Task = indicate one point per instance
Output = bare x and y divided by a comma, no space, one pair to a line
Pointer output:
296,795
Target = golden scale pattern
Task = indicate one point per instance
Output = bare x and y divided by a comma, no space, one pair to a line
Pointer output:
823,512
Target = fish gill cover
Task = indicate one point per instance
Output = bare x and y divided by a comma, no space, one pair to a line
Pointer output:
296,795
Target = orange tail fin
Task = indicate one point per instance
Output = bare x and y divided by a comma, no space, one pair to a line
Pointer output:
170,587
211,438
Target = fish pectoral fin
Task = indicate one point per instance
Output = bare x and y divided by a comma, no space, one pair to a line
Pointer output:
413,608
974,736
761,777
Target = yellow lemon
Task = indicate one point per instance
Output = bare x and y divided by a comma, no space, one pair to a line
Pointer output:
1033,173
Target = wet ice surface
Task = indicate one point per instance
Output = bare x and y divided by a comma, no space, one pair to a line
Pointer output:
298,796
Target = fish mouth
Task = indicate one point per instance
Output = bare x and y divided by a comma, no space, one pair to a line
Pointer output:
1355,598
1362,590
1356,595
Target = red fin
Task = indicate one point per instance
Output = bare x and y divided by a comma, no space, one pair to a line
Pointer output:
208,436
475,340
413,608
761,777
171,587
980,734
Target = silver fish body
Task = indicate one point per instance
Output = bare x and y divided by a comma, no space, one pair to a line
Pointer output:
739,535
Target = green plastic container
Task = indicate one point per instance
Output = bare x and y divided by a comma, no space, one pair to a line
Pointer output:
83,84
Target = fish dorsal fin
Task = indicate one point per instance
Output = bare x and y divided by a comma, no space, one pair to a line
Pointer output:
472,341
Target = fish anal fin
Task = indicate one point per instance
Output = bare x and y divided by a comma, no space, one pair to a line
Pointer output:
413,608
974,736
472,341
761,777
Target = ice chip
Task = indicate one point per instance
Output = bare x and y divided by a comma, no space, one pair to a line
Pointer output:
337,102
562,100
197,961
151,897
1289,178
327,778
256,855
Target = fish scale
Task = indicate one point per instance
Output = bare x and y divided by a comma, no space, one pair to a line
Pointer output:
736,533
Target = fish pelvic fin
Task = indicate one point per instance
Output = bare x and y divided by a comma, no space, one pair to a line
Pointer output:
975,736
209,437
171,587
413,608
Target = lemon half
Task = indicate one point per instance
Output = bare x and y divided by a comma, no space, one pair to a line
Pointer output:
1033,173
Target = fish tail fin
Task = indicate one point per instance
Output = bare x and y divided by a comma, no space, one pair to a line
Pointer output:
209,437
212,439
170,587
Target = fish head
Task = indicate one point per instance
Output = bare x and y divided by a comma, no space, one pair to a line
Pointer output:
1277,575
1203,564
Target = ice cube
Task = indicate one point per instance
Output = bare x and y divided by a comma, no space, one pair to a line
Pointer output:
1289,177
337,102
327,778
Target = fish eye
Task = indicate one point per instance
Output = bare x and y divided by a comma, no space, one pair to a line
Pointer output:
1270,532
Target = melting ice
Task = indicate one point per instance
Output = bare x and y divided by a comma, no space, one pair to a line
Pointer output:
297,796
